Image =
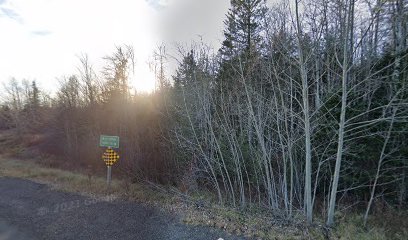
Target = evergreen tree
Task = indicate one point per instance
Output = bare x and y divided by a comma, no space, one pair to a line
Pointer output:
185,73
243,27
35,96
242,44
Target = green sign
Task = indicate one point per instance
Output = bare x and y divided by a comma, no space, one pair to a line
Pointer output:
109,141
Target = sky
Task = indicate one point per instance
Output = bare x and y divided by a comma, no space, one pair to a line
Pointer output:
42,39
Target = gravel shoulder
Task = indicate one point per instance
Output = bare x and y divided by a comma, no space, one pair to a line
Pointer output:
30,210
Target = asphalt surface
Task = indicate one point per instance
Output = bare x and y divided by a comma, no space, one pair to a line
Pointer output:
30,210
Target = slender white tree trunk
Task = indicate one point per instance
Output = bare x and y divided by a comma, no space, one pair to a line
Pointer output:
339,155
306,114
380,161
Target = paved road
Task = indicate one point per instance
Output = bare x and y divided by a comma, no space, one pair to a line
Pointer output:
29,210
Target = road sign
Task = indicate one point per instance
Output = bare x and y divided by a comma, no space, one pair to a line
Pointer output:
109,141
110,157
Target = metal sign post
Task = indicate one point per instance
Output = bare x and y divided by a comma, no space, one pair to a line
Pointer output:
109,175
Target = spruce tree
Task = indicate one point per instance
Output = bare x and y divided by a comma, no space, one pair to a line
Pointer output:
35,96
243,28
185,73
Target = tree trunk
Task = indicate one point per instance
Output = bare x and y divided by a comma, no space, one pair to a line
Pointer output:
380,161
306,114
339,155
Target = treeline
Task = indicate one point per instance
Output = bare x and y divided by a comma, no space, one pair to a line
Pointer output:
302,109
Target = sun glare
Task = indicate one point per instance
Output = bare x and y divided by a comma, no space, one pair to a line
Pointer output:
143,79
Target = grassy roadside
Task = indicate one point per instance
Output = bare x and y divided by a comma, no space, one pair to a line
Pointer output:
190,211
68,181
253,222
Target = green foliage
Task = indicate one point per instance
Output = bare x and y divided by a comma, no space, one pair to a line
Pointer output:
243,27
234,122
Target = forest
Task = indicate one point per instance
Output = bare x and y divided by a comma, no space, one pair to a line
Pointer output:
302,111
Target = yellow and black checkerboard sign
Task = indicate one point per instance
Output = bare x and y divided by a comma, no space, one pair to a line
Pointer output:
110,157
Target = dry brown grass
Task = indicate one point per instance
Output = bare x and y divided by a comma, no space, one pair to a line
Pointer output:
252,222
